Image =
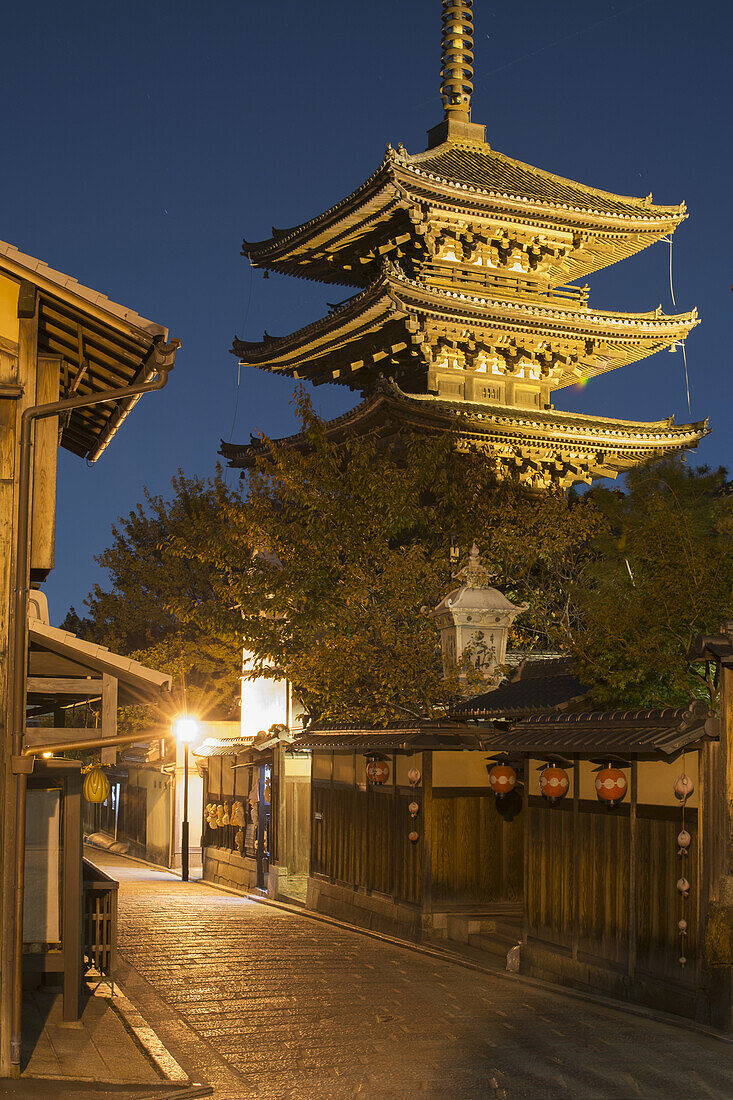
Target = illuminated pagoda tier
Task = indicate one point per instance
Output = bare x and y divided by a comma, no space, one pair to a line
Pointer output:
461,257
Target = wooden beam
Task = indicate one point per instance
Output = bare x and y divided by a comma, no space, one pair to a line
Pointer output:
43,663
55,685
49,735
45,455
109,716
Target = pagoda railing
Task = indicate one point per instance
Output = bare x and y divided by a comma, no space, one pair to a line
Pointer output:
470,278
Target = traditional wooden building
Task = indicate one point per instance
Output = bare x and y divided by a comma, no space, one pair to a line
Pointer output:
73,364
463,318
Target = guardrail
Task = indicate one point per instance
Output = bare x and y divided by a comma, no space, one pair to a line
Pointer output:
99,922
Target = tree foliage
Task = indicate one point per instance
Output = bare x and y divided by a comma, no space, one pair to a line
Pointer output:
165,609
661,574
337,553
325,563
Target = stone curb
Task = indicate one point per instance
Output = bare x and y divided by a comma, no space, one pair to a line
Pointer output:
145,1036
504,975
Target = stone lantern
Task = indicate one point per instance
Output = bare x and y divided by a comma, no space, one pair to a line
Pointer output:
476,617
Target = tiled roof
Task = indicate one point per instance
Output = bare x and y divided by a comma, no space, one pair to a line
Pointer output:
619,732
481,167
536,686
223,746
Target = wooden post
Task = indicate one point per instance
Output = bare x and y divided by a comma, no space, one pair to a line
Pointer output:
72,903
633,868
45,460
525,845
17,366
725,889
427,831
576,857
393,845
109,715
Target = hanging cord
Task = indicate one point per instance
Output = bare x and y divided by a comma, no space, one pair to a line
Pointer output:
239,367
687,378
681,342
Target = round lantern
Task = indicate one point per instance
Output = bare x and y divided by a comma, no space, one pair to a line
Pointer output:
684,840
414,809
413,837
683,886
611,786
683,788
414,776
554,783
377,771
502,779
96,785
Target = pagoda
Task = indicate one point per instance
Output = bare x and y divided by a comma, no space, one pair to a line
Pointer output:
463,319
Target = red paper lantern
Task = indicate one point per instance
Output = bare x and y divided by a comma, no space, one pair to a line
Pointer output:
611,786
554,783
377,771
502,779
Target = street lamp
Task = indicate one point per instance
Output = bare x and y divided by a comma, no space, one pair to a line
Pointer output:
186,730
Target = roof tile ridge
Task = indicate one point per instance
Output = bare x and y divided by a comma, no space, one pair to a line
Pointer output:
551,415
586,312
644,205
288,234
343,307
85,293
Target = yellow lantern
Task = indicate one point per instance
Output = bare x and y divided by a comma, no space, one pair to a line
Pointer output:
96,785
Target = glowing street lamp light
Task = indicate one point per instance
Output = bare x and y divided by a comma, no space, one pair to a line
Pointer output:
186,729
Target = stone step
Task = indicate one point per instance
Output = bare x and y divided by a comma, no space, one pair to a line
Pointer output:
461,927
493,944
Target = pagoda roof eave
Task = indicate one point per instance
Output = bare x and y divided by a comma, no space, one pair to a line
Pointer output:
508,185
313,349
587,446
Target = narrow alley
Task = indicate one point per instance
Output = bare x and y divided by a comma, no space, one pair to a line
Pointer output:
261,1002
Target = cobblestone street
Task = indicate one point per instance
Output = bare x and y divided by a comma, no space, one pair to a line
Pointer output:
261,1002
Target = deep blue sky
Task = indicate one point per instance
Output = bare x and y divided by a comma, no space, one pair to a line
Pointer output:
142,140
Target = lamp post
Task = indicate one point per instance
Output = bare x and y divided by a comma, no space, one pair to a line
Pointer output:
186,729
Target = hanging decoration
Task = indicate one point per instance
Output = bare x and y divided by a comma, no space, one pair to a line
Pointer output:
554,783
414,777
683,789
502,780
413,836
220,816
377,772
211,816
611,786
237,815
225,816
414,809
239,840
96,784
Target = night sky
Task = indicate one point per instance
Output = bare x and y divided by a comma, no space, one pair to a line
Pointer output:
142,140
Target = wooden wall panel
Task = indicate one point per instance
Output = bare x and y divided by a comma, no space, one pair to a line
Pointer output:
603,902
603,886
476,854
550,872
659,905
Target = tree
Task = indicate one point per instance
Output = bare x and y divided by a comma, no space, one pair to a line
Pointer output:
338,551
164,609
662,573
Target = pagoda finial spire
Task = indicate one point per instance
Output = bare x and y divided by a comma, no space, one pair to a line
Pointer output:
456,76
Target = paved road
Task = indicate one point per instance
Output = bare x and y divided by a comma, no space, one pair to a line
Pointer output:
265,1003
